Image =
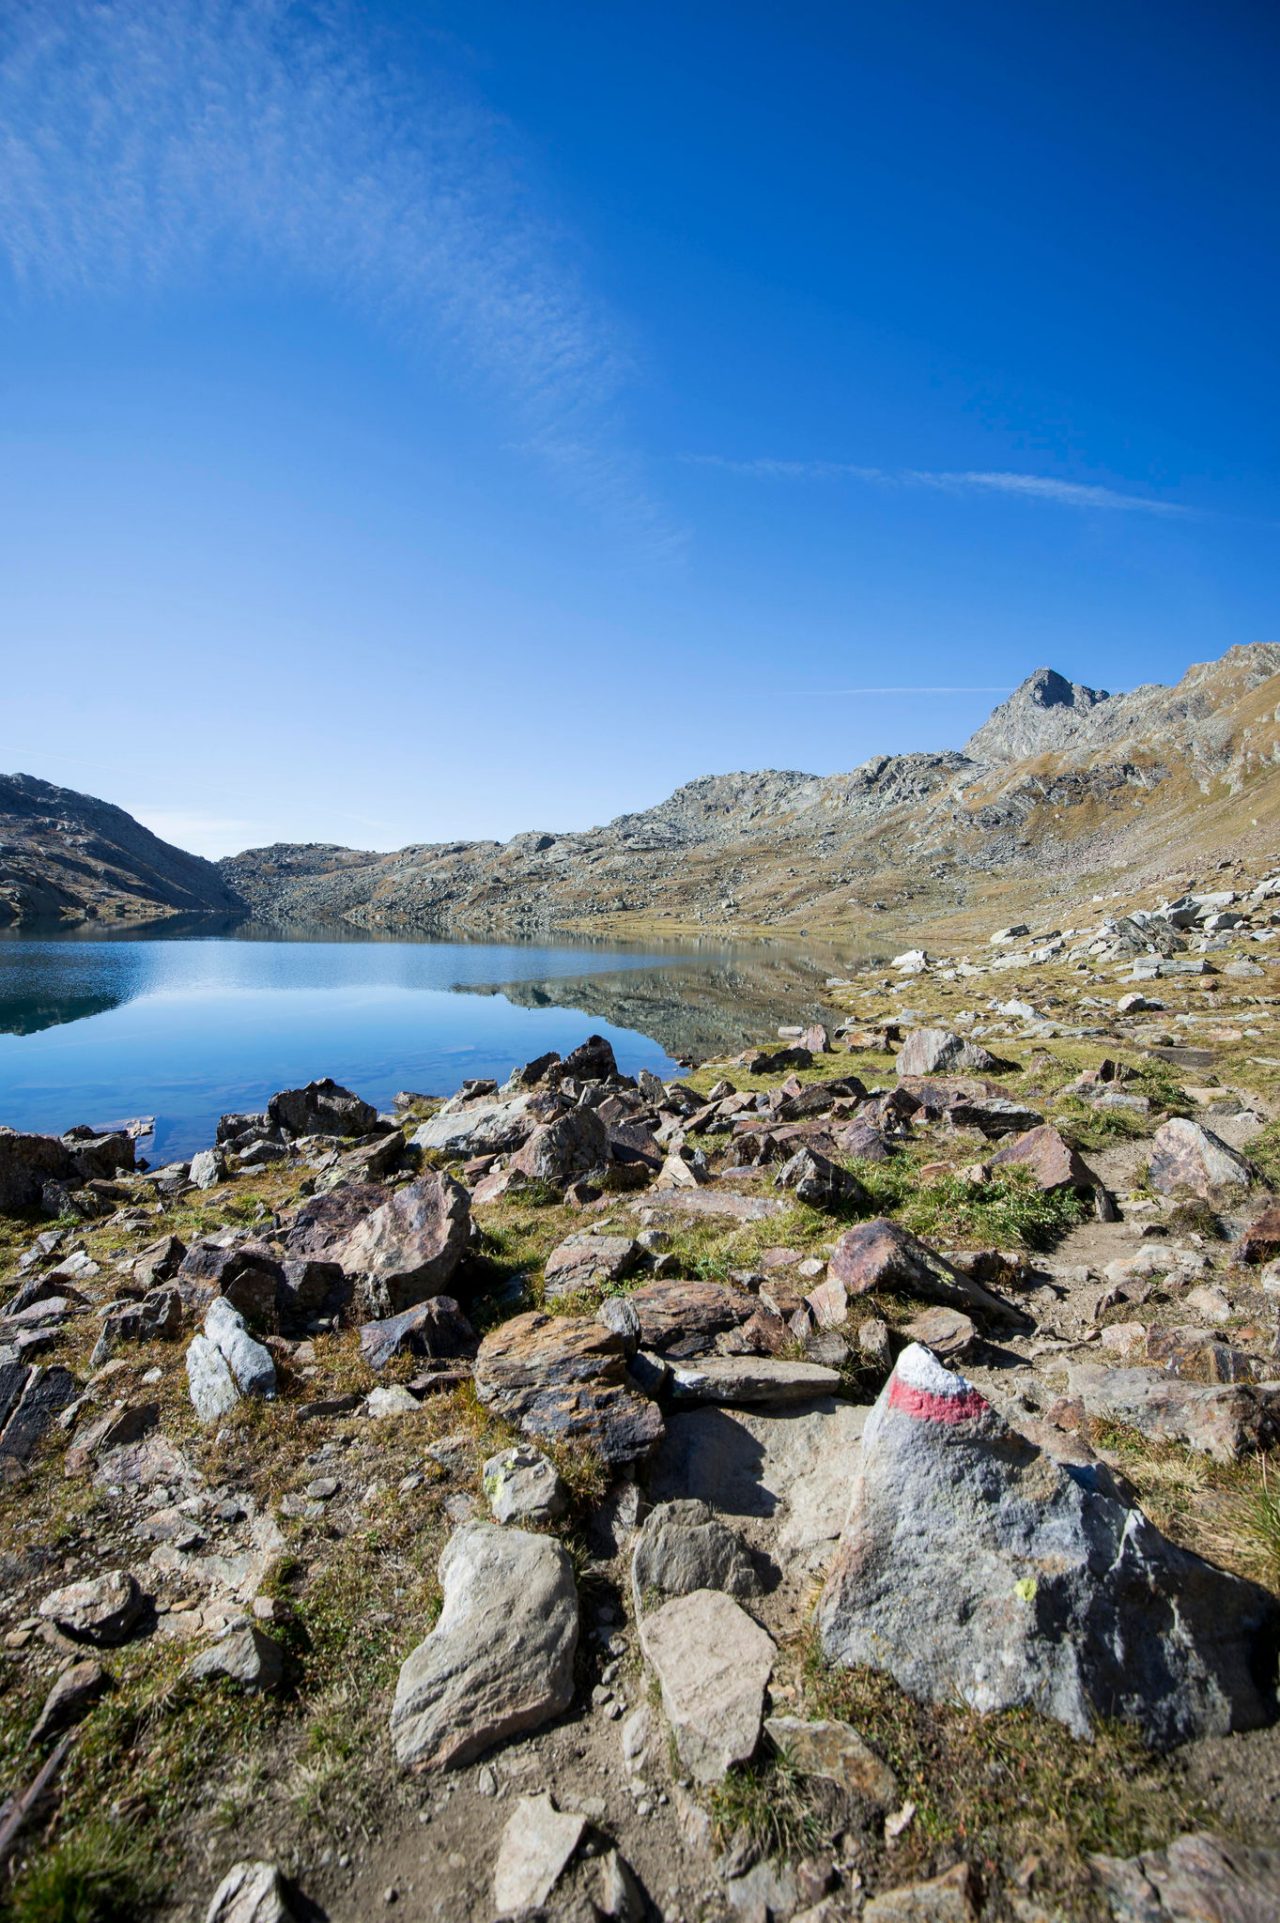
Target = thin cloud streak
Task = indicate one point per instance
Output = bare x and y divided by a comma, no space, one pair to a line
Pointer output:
148,144
1005,690
966,481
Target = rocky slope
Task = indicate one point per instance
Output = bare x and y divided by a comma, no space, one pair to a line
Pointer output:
68,857
837,1486
1061,782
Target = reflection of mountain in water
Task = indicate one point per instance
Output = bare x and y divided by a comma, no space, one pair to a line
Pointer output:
30,1015
695,1010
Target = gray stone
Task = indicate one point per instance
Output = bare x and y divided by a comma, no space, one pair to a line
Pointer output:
1221,1420
713,1664
245,1656
251,1893
103,1611
477,1128
975,1567
589,1261
210,1382
500,1658
684,1546
750,1379
936,1051
523,1485
208,1168
537,1845
250,1362
558,1152
943,1899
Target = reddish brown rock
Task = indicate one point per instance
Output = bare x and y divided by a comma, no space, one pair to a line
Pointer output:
327,1220
1050,1158
1190,1160
1261,1240
573,1145
679,1316
587,1261
881,1255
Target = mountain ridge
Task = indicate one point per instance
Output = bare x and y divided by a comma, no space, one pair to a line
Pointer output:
1061,781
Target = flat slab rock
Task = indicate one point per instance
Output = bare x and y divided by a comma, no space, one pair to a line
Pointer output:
1198,1879
679,1315
713,1664
566,1376
713,1202
789,1471
500,1658
974,1566
748,1379
537,1845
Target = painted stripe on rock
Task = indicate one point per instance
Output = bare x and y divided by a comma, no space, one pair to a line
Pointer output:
926,1406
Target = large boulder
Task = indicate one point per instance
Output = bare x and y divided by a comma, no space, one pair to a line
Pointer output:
1049,1158
936,1051
478,1127
436,1329
561,1378
408,1249
559,1152
1220,1420
225,1363
1187,1159
974,1566
500,1658
321,1108
27,1162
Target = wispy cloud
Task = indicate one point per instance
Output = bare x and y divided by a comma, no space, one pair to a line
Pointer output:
159,142
1038,487
970,690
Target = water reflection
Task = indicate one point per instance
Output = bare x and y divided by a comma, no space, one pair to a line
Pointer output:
187,1020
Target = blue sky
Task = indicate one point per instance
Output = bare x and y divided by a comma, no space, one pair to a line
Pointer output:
425,421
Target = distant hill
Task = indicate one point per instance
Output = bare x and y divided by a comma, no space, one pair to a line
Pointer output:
68,857
1063,782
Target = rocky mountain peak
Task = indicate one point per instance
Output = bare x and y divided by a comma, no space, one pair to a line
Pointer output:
1045,711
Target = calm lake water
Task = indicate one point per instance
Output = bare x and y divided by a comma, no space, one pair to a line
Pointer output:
184,1023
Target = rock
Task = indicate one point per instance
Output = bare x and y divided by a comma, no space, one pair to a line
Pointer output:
208,1168
383,1403
619,1897
523,1485
30,1400
325,1221
247,1273
679,1316
1198,1879
71,1699
321,1108
588,1261
1189,1159
157,1317
27,1162
591,1061
880,1255
835,1751
1261,1240
747,1379
210,1383
715,1202
252,1893
561,1377
950,1333
103,1611
120,1426
936,1051
713,1664
249,1361
500,1658
536,1847
436,1328
944,1899
1050,1158
684,1546
245,1656
1221,1421
821,1183
864,1142
618,1313
975,1567
478,1128
409,1248
557,1152
310,1290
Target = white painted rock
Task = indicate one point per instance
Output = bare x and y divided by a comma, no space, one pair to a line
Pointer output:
500,1659
976,1567
536,1846
713,1664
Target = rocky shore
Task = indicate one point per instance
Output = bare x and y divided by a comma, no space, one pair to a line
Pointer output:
839,1483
